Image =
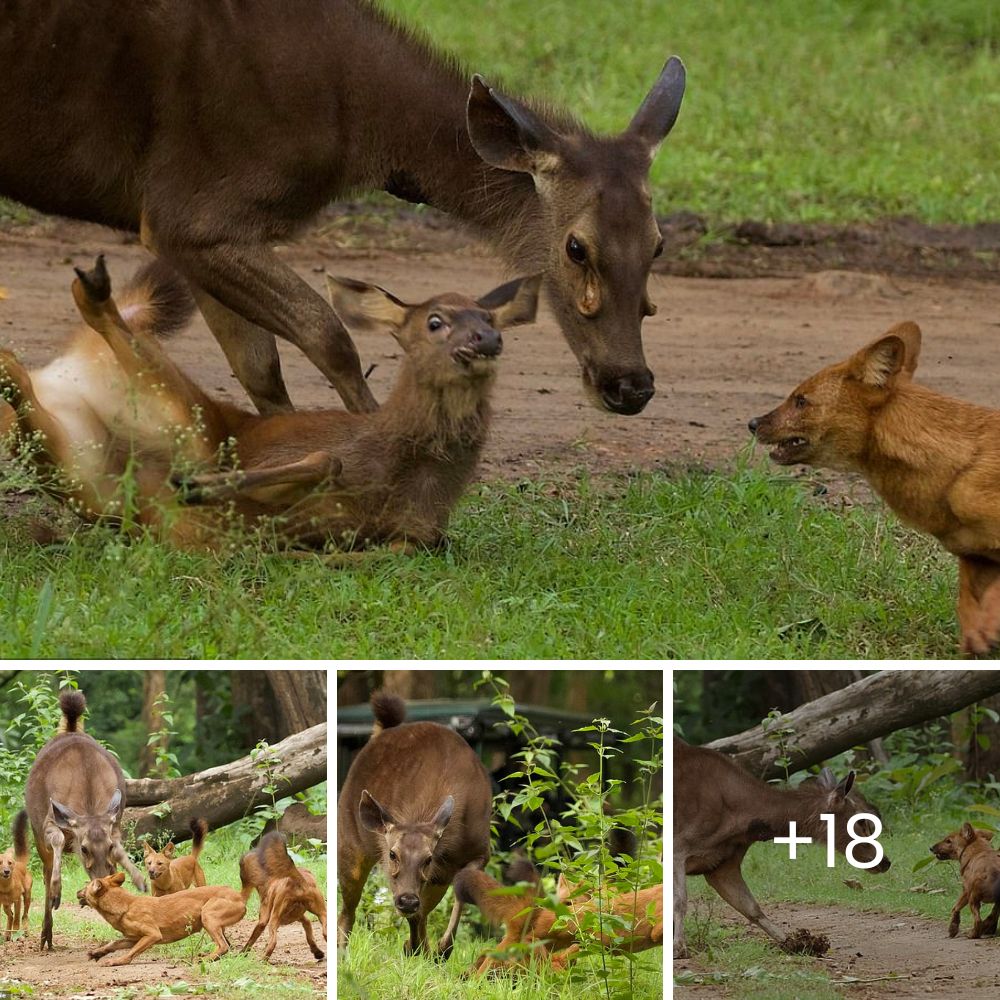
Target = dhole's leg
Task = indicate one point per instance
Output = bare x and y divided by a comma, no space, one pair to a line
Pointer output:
272,932
727,881
978,604
680,906
251,352
254,283
310,940
262,921
9,914
956,914
352,873
977,918
119,854
561,958
216,916
106,949
199,875
990,924
151,937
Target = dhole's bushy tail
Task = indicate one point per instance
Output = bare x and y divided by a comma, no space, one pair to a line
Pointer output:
198,829
268,860
156,299
389,711
20,829
73,705
472,885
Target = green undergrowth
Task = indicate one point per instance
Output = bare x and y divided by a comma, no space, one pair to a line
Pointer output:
696,564
842,110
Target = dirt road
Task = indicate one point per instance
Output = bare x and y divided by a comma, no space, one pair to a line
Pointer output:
723,350
881,954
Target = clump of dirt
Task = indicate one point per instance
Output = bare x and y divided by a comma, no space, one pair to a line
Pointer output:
845,285
803,942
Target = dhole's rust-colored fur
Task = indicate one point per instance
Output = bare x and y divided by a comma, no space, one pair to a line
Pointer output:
144,921
431,817
979,865
320,477
168,874
75,796
935,460
287,893
15,878
527,923
219,129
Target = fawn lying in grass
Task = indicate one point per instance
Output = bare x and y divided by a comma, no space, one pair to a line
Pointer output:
321,476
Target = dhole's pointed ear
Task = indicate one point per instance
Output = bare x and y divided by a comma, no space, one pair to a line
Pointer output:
168,851
117,879
508,135
968,833
892,356
658,112
513,303
361,306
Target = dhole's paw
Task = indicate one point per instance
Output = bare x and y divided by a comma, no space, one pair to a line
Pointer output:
953,930
980,640
115,960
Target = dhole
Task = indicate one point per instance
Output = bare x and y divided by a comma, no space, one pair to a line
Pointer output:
168,874
935,460
979,865
287,893
527,923
325,476
15,879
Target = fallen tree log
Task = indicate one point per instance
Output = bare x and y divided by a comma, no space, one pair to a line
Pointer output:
226,793
874,706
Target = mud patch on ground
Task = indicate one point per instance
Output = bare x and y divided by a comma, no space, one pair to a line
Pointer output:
876,955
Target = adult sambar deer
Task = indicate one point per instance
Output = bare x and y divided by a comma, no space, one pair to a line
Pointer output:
218,129
417,800
75,798
720,811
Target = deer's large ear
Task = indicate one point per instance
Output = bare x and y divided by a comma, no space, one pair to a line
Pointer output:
658,112
374,817
513,303
889,358
364,307
443,815
508,135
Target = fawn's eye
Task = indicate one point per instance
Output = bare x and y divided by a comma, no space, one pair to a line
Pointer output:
434,322
800,401
659,249
576,251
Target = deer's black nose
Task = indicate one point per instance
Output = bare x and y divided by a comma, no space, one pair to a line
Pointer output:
754,424
486,341
408,902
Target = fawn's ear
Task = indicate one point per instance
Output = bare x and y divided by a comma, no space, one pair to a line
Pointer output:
890,358
364,307
513,303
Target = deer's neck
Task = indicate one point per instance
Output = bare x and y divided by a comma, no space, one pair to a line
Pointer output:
421,150
437,422
775,807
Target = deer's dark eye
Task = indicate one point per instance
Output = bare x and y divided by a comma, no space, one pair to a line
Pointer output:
576,251
434,322
392,856
659,249
800,402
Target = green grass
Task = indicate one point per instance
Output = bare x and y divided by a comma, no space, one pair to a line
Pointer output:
703,565
727,952
835,110
374,967
236,975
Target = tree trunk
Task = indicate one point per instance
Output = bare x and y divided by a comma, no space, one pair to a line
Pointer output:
253,700
154,685
224,794
576,696
301,698
983,755
871,707
410,685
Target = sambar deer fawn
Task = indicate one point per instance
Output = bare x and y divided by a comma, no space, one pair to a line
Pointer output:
321,476
218,131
